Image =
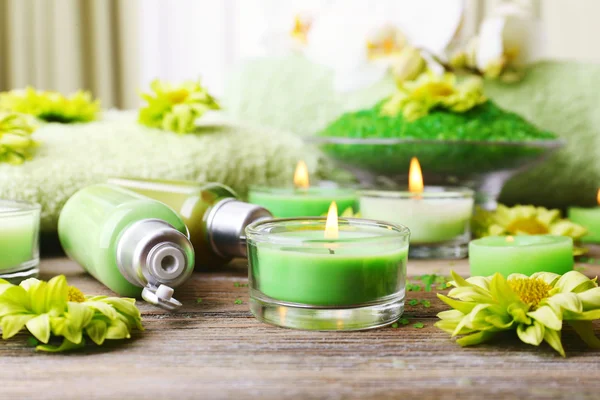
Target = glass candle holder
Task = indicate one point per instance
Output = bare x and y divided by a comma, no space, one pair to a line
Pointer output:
300,279
19,240
439,218
302,202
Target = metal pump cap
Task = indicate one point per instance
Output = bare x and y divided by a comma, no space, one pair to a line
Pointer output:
226,223
154,255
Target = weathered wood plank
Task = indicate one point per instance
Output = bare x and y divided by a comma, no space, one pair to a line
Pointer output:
216,349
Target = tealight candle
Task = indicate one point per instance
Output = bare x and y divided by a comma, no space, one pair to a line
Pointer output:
438,217
302,200
589,218
317,273
521,254
19,240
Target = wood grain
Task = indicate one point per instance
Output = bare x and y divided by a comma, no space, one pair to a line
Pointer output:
216,349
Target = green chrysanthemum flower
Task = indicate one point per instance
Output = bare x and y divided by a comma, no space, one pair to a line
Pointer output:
526,220
16,144
176,108
52,106
55,309
417,98
534,306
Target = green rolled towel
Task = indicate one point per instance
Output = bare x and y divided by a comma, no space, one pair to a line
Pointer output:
294,94
73,156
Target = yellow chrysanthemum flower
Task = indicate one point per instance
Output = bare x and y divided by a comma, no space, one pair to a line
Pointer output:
55,309
429,91
16,143
52,106
525,220
176,108
534,306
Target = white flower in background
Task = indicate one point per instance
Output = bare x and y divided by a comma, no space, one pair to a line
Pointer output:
510,39
288,29
362,41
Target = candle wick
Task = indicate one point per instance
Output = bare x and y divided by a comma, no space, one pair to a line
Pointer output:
331,251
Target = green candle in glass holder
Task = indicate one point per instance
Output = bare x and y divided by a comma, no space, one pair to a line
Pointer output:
19,240
302,200
313,273
589,218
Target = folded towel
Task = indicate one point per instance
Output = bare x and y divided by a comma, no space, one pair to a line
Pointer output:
73,156
291,93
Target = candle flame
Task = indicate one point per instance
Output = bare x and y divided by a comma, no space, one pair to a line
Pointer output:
301,175
331,226
598,197
415,177
510,239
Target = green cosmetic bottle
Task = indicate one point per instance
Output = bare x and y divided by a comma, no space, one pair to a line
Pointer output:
216,219
132,244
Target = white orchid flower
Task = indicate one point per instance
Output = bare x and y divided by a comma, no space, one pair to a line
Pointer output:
510,38
286,26
362,41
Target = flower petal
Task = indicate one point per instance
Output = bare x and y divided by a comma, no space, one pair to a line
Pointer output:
489,46
451,315
66,345
546,316
571,281
500,321
14,300
103,307
531,334
27,283
12,324
552,337
471,294
590,299
449,326
462,306
97,330
126,307
549,277
56,294
519,311
117,330
476,338
501,291
585,330
581,316
567,301
480,281
39,327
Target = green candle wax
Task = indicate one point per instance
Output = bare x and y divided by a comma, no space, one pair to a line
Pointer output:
19,235
334,274
311,202
521,254
589,218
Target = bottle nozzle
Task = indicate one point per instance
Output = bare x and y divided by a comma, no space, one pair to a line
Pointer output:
161,296
154,255
226,226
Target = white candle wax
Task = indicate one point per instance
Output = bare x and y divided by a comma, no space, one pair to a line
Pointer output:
432,217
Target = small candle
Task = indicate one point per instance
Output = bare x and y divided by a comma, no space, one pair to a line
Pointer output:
312,267
589,218
302,200
521,254
433,214
19,240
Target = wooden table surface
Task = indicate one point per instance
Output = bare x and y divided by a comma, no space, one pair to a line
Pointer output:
216,349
